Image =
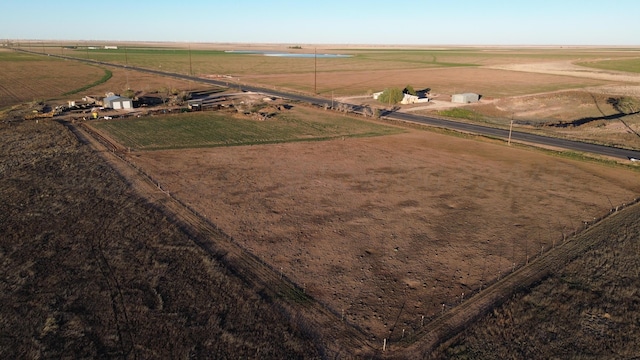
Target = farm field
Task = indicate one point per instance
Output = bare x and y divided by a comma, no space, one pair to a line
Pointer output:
210,129
369,69
25,78
389,228
537,87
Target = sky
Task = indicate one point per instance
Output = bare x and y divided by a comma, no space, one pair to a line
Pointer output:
418,22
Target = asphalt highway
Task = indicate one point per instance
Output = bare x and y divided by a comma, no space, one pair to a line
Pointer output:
516,136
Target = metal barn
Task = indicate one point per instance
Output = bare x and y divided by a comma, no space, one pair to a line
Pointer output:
465,98
117,102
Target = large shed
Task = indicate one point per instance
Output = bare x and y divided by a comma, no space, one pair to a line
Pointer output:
117,102
465,98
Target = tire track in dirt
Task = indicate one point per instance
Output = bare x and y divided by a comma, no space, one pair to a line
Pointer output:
126,339
123,326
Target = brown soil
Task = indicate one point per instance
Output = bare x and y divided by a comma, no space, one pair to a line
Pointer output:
491,83
388,229
91,270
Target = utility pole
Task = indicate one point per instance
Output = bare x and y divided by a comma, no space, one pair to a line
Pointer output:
190,66
510,130
315,71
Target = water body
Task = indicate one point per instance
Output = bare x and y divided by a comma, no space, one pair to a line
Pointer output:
289,55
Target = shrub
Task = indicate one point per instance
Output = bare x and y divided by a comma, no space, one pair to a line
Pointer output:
391,96
410,90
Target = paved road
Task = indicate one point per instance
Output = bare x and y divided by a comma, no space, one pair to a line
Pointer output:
516,136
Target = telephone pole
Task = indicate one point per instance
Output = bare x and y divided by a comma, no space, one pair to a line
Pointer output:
510,130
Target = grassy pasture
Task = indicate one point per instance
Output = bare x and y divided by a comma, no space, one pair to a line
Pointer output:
196,130
628,65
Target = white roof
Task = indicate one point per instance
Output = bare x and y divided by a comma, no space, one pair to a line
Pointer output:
115,98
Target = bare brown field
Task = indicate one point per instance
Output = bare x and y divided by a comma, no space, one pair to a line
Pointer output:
389,229
26,78
491,83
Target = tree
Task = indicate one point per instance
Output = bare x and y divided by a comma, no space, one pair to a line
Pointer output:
129,93
410,90
623,105
164,93
391,96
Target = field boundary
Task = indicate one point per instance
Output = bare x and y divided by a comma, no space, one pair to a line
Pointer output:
107,75
338,336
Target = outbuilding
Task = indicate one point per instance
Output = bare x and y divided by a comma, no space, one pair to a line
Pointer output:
117,102
465,98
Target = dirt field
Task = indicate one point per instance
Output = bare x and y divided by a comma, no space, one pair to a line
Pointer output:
91,270
388,229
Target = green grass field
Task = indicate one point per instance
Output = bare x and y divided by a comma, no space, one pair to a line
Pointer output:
628,65
11,56
212,61
210,129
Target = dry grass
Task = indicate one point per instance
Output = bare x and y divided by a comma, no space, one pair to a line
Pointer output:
91,270
590,309
389,228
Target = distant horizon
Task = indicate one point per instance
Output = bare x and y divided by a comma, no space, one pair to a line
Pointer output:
371,22
84,42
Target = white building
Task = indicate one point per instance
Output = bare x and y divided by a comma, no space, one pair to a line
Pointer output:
407,99
117,102
413,99
465,98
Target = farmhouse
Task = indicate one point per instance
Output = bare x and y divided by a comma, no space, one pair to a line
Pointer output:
117,102
407,99
413,99
465,98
